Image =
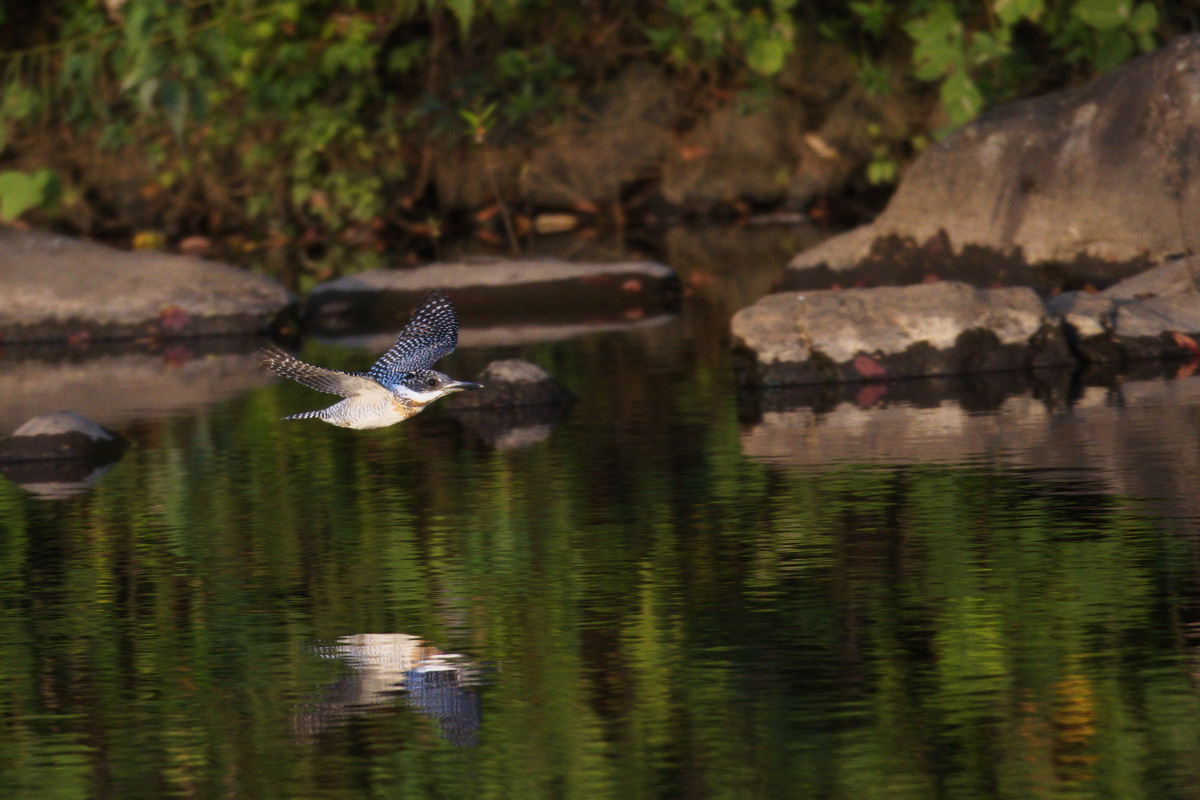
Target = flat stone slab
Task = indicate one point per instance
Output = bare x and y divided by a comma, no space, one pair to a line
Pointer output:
1152,315
1176,276
512,335
1100,176
497,292
889,332
55,288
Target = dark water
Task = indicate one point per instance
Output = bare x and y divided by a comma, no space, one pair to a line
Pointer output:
672,592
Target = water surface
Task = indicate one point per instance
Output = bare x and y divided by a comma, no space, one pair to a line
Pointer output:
670,590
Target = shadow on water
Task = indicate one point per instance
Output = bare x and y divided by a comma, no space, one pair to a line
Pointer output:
676,593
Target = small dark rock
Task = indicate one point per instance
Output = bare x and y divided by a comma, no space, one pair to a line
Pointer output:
60,435
59,455
513,382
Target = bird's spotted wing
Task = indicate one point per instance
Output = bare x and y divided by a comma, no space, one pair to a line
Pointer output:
346,384
430,334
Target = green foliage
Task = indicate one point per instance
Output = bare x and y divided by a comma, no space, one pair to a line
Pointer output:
974,59
702,33
315,116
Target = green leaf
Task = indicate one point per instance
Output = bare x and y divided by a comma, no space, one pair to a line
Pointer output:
882,170
874,78
874,14
21,191
1144,19
19,101
960,97
985,47
766,54
1113,49
938,42
146,93
49,184
463,11
1103,15
1010,12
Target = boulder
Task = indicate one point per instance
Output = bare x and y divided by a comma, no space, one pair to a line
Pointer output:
57,288
863,334
1097,180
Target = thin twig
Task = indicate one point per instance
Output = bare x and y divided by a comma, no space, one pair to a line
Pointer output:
508,226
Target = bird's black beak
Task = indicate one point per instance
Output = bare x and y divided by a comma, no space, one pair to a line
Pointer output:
458,386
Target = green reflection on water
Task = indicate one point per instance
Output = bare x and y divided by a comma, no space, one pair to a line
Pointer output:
652,614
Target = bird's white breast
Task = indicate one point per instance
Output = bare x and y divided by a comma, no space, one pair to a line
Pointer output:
361,415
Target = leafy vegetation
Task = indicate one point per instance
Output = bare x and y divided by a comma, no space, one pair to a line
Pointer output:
290,118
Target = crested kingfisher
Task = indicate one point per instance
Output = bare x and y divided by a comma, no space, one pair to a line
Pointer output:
400,383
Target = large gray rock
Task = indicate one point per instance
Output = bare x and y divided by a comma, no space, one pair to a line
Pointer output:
56,288
1100,175
857,334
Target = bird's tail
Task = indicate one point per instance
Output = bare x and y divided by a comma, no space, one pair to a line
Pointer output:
306,415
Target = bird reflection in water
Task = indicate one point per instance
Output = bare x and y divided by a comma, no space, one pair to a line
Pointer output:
387,666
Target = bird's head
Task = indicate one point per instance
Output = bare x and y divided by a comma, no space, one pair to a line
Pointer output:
428,385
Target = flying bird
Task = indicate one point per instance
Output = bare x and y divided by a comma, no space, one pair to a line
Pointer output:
400,383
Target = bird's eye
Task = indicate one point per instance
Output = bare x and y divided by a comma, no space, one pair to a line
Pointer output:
431,382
